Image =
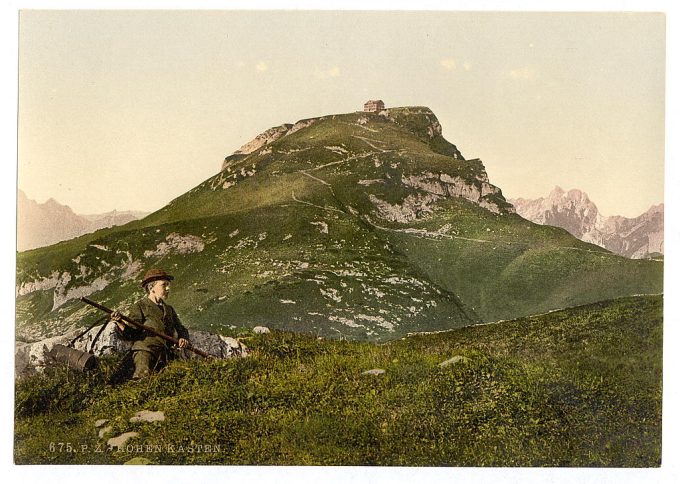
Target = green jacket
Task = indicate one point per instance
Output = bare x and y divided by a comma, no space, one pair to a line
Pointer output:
162,318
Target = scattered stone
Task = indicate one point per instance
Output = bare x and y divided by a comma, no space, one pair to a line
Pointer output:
261,330
148,416
100,422
104,431
177,244
452,361
231,342
375,371
138,461
121,440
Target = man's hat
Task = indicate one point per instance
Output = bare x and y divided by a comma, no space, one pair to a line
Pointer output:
156,275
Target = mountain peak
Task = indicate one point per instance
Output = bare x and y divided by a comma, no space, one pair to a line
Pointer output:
418,120
556,192
571,194
575,212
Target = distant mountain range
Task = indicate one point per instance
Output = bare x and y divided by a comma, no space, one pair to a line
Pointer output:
43,224
638,238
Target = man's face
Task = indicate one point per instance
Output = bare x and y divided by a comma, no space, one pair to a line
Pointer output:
160,290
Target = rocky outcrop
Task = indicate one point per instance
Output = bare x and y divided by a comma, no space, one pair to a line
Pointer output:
59,283
572,210
42,284
477,190
413,207
264,139
433,187
177,244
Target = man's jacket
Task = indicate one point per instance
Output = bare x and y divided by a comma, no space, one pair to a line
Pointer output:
161,317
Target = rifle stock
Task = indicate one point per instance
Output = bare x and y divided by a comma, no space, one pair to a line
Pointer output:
146,328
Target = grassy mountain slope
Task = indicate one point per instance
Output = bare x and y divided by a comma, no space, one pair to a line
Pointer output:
578,387
359,225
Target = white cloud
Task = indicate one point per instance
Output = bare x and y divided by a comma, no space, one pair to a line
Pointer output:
448,64
261,66
327,73
523,73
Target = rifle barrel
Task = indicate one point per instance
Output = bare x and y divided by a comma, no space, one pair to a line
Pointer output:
146,328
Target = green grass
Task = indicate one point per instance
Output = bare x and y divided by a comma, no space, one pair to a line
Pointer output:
579,387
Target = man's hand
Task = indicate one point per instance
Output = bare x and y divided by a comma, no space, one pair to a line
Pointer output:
184,343
116,318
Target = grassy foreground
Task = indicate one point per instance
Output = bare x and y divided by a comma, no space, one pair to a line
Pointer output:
578,387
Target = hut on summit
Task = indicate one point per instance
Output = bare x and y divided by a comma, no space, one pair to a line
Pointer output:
374,106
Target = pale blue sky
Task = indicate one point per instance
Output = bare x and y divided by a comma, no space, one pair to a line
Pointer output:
114,102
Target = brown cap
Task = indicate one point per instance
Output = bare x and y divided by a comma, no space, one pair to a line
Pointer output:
156,275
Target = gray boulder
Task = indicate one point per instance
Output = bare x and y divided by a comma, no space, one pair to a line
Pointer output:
215,344
454,361
374,371
118,443
148,416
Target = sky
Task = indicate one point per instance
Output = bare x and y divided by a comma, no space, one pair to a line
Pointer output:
129,109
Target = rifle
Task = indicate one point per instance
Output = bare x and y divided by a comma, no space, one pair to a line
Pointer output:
147,328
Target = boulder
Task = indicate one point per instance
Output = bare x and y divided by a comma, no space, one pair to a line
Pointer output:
452,361
261,330
375,371
100,422
121,440
216,345
148,416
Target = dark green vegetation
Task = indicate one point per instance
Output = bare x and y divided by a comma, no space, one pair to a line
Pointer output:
578,387
360,226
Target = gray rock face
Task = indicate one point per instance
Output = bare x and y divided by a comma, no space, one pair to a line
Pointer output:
262,139
216,345
413,207
33,358
573,211
436,187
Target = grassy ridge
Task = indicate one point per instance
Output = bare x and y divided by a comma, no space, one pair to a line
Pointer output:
579,387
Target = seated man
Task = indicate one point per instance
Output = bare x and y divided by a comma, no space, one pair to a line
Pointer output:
151,352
